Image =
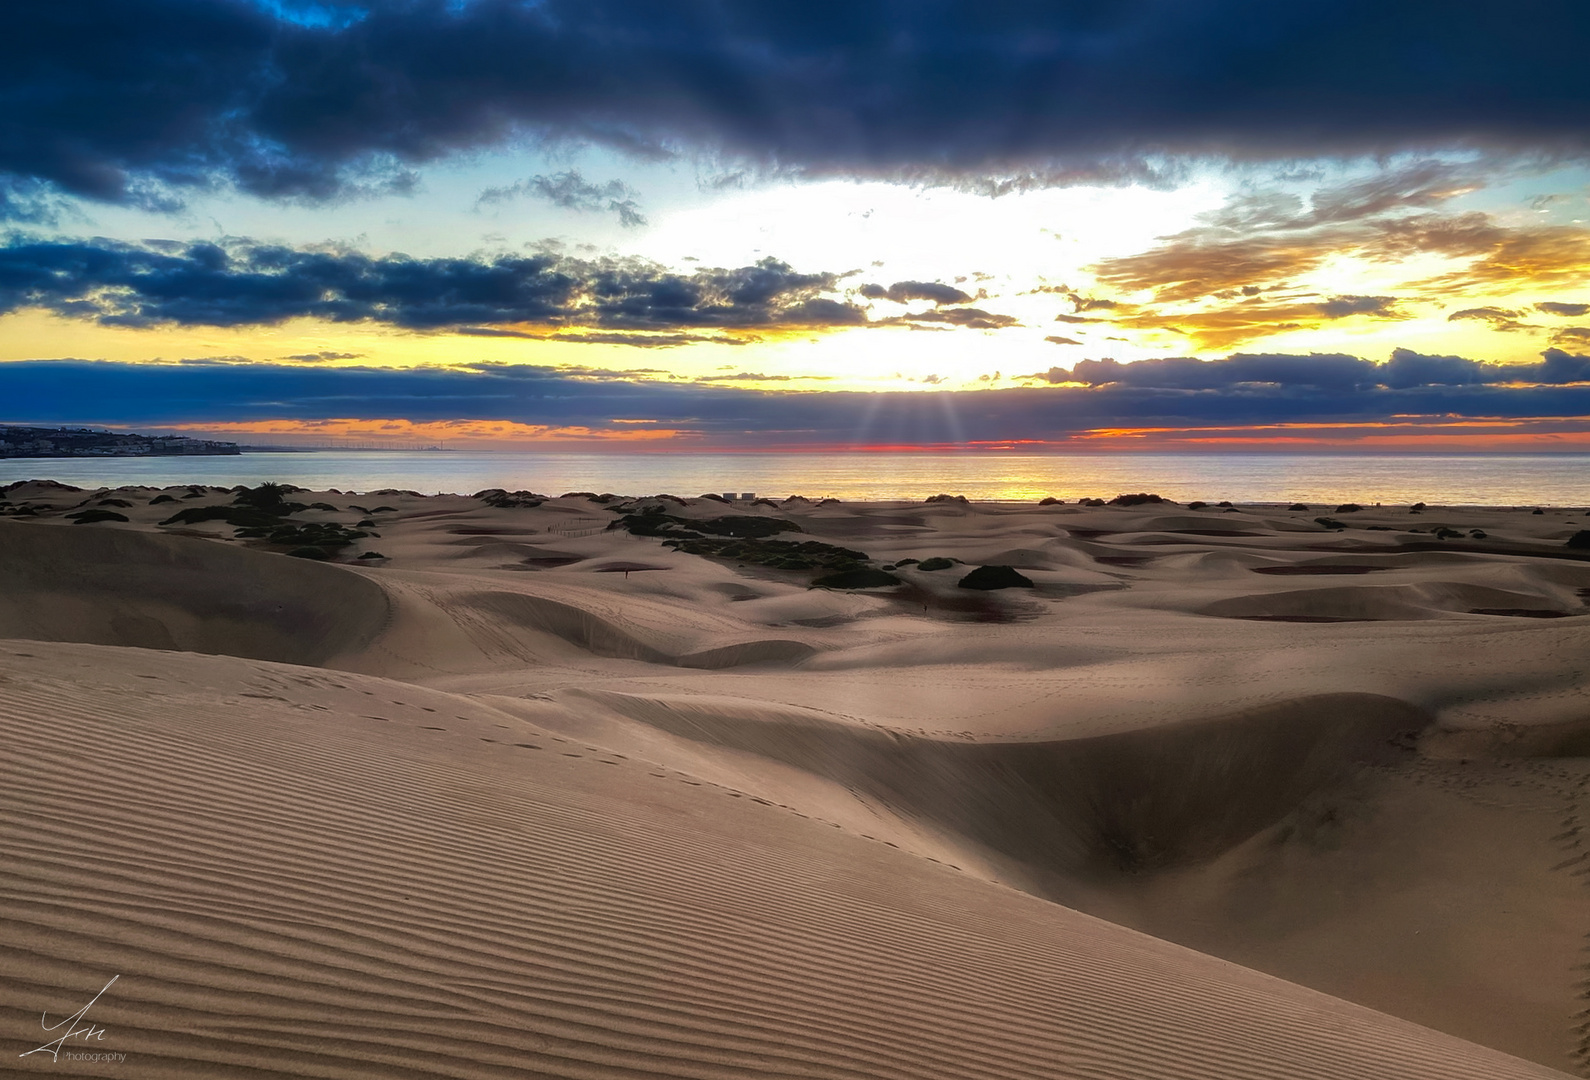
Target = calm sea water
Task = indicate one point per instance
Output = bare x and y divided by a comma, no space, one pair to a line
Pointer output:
1446,479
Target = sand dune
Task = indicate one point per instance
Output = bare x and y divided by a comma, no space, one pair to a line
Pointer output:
116,587
529,794
324,874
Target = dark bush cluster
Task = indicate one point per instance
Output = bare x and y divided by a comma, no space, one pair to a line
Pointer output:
774,554
321,534
742,537
864,577
509,500
88,517
651,521
995,577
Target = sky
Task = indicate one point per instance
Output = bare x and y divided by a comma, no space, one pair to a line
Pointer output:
660,226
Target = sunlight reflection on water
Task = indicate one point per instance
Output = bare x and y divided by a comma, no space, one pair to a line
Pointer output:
1449,479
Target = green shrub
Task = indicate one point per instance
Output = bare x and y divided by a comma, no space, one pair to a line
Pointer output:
995,577
240,516
268,496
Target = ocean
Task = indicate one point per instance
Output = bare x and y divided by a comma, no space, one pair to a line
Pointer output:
1438,479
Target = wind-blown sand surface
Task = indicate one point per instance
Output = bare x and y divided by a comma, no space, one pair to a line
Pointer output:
1224,794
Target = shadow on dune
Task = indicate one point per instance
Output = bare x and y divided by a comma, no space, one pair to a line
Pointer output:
117,587
1127,802
596,635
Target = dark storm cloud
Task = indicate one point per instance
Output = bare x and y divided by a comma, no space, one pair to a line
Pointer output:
1406,370
239,284
903,292
1504,320
1242,390
132,100
1339,307
572,191
969,317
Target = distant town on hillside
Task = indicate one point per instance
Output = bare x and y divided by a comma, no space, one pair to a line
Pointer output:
31,442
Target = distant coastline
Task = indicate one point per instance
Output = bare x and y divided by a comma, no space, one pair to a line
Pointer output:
32,442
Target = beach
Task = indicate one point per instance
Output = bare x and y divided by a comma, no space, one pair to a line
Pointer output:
616,786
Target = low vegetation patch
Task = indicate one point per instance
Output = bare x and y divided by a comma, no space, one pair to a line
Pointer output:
506,500
774,554
261,513
744,538
936,563
651,521
241,516
326,535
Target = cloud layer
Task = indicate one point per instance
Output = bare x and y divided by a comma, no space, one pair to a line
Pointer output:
133,100
1431,393
239,284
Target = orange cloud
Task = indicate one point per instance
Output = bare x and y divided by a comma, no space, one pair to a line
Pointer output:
1267,247
1227,327
483,433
